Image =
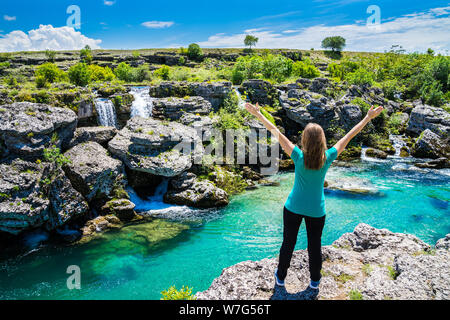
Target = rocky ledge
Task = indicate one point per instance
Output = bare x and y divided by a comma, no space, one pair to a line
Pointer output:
367,263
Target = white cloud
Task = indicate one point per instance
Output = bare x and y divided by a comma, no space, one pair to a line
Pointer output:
157,24
9,18
414,32
108,3
46,37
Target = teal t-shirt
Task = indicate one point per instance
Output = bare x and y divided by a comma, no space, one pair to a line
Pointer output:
307,196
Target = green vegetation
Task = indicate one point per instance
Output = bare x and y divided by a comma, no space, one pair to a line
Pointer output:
355,295
185,293
336,43
53,155
194,52
250,41
48,73
86,55
79,74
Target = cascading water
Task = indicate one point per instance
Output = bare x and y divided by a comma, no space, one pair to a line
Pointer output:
106,112
397,143
241,102
143,104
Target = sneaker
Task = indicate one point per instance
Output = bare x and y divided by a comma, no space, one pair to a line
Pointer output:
278,281
314,285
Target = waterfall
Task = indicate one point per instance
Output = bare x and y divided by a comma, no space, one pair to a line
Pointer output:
143,104
397,143
241,102
106,112
154,202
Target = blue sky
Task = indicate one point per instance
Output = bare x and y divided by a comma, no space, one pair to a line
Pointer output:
132,24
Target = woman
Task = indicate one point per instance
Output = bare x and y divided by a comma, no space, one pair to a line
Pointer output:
307,200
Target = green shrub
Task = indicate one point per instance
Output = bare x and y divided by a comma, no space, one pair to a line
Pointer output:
123,71
50,72
41,82
162,72
276,67
86,55
305,70
79,74
97,73
194,52
53,155
360,77
50,54
185,293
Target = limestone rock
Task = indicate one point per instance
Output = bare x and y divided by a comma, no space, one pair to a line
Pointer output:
27,128
375,153
91,170
186,189
100,135
33,195
424,117
156,147
430,145
173,108
376,263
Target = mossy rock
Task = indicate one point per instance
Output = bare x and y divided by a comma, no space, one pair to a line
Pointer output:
350,153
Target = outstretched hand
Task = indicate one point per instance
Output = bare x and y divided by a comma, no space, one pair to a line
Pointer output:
374,112
253,109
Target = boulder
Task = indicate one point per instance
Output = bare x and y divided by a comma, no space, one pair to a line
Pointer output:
425,117
440,163
350,115
100,135
375,263
92,171
186,189
26,128
214,92
157,147
303,107
122,208
430,145
174,108
260,91
34,195
375,153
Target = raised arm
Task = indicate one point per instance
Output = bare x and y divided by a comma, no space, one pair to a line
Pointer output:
372,113
287,145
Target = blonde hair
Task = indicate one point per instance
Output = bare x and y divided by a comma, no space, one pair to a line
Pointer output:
313,145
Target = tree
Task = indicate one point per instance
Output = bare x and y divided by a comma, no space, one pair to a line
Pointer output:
336,43
194,51
86,54
50,55
250,41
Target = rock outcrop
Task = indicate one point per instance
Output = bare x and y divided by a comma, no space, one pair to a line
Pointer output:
214,92
424,117
100,135
26,128
34,195
430,145
156,147
368,263
173,108
186,189
92,171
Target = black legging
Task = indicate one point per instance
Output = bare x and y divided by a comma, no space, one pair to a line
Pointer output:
314,227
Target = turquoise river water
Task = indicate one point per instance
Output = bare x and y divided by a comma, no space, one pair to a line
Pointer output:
140,261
